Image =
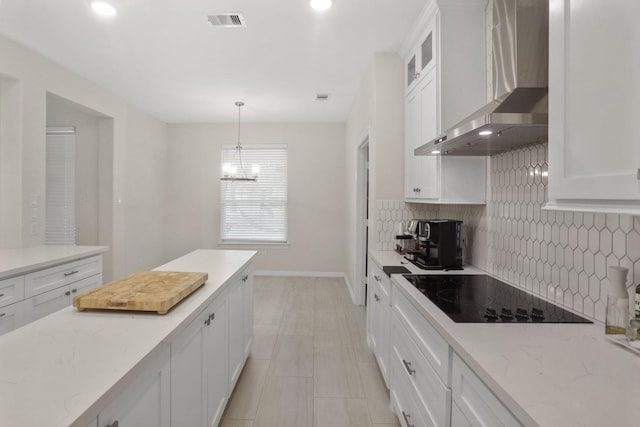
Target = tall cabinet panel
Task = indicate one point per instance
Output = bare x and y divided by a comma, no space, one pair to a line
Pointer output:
447,52
594,103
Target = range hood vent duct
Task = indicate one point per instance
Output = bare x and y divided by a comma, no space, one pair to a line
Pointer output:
227,20
518,114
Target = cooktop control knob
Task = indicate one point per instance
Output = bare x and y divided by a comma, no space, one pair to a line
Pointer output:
522,315
491,315
537,315
506,315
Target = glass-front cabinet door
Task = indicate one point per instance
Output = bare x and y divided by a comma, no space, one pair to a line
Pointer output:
422,56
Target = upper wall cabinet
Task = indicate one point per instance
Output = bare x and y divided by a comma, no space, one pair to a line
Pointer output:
445,82
421,58
594,105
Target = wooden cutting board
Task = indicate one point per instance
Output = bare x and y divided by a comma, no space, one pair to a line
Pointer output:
142,291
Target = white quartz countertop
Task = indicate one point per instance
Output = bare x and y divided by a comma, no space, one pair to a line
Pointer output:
547,375
65,368
18,261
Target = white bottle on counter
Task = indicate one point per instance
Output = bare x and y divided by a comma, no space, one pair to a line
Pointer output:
617,318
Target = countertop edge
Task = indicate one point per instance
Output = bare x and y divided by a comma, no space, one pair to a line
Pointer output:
41,257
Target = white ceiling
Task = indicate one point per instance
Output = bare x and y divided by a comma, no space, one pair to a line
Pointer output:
165,58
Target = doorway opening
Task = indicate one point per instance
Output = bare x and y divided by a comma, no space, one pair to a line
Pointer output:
362,222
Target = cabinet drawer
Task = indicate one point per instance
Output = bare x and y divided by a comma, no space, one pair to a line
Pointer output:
61,275
379,277
478,405
435,348
11,317
431,395
402,398
11,290
46,303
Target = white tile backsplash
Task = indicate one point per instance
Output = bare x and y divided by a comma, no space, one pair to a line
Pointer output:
562,256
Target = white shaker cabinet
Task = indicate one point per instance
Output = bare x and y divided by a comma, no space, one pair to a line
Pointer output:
236,328
473,403
594,106
11,317
146,402
448,84
56,299
421,124
199,364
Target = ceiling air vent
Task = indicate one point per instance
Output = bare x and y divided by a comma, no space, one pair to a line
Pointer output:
227,20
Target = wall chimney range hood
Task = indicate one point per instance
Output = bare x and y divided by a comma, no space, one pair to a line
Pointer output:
518,113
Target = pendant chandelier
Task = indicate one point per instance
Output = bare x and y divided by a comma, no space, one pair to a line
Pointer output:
236,170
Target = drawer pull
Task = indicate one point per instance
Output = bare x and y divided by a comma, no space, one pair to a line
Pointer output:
377,298
212,316
67,293
376,277
71,273
406,419
245,278
113,424
407,366
73,291
1,295
3,314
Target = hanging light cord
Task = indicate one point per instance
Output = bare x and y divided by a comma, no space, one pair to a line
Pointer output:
238,146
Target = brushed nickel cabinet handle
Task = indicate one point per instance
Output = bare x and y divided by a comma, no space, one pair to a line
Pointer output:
1,295
3,314
67,293
245,278
73,291
407,366
71,273
377,278
207,321
212,316
377,298
404,414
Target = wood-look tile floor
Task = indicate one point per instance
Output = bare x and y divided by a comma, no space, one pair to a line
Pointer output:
310,365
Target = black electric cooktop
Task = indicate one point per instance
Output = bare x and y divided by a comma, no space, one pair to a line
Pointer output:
467,298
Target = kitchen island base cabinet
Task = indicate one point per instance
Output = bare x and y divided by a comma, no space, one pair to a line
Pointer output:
474,405
145,403
199,365
240,322
11,317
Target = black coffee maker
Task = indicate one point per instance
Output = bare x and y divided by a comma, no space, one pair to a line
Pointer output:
440,244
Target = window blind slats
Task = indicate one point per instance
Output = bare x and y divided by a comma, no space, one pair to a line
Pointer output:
60,219
255,211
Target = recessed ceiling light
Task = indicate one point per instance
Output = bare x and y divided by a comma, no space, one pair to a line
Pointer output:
485,132
435,152
320,4
103,8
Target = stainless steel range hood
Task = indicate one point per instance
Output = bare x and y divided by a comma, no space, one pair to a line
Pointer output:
518,114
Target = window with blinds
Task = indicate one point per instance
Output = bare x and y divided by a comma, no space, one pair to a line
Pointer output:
60,186
255,212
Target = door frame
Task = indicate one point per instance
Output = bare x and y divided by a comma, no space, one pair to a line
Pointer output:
362,196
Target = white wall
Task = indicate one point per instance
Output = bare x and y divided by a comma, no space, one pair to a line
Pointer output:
317,238
63,113
378,110
128,130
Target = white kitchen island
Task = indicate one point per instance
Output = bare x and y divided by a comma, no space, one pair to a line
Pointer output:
95,368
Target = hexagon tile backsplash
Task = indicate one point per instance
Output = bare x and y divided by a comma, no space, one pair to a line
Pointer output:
561,256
